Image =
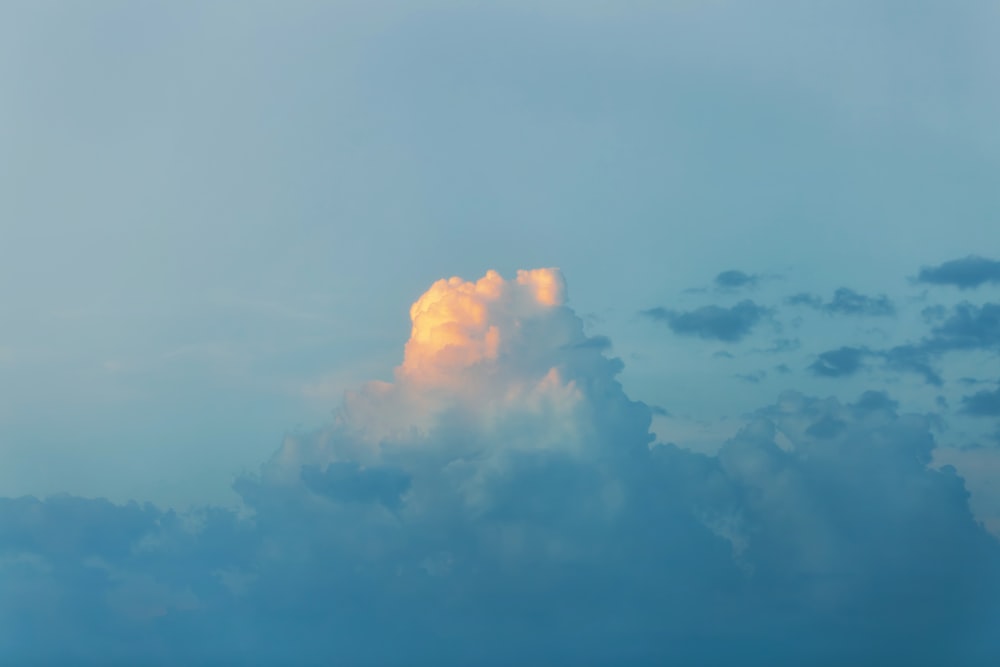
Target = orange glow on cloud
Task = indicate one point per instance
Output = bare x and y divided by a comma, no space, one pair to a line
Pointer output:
547,284
483,348
459,323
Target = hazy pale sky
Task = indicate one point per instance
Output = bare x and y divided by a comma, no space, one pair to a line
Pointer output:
215,217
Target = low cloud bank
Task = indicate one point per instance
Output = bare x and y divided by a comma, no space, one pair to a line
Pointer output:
502,501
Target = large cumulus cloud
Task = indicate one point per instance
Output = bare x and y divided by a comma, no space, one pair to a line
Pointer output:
502,500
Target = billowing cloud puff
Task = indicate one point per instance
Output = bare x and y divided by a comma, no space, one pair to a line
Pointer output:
495,372
487,357
502,501
459,324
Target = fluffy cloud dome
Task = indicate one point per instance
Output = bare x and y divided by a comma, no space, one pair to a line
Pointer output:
504,363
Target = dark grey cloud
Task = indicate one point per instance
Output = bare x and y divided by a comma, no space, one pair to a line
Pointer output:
969,327
872,401
965,273
843,537
349,482
982,404
734,278
712,322
841,362
913,359
846,301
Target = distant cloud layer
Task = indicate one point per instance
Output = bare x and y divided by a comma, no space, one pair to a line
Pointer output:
969,327
965,273
712,322
500,502
965,327
846,301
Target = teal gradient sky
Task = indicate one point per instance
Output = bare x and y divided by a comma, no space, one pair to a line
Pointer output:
207,211
214,220
763,428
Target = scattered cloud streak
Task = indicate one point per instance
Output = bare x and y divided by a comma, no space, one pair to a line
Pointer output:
967,328
965,273
846,301
734,278
730,325
841,362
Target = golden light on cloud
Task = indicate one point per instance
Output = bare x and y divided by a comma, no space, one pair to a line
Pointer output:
547,284
459,323
491,350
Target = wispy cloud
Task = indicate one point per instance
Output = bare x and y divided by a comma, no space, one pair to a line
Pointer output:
846,301
840,362
735,278
965,273
712,322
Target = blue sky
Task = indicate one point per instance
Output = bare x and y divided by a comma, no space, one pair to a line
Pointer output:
780,219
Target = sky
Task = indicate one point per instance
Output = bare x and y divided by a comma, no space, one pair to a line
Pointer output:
464,333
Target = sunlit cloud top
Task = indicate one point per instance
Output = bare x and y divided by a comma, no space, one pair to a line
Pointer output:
459,323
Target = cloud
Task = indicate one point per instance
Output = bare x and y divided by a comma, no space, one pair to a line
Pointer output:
840,362
965,273
712,322
734,279
805,299
501,501
846,301
913,359
753,378
457,324
967,328
782,345
982,404
350,482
